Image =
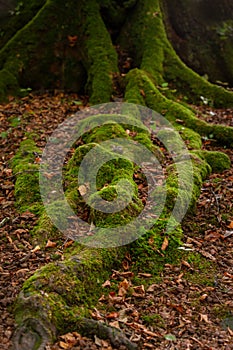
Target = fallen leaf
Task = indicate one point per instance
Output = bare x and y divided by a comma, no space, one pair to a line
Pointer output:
185,263
106,284
96,315
68,244
165,244
35,249
142,92
147,275
50,244
64,345
124,284
212,236
82,190
112,315
114,324
203,297
98,341
151,288
204,318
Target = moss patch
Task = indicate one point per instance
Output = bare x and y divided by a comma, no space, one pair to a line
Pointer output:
25,169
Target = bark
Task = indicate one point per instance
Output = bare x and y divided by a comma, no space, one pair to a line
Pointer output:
57,49
202,34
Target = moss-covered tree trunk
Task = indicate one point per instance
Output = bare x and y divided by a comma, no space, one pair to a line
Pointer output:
74,45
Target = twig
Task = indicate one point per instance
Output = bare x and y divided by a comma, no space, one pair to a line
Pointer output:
216,200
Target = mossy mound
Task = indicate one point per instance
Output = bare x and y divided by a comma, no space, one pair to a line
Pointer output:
26,171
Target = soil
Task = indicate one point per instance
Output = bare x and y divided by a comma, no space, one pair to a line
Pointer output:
184,308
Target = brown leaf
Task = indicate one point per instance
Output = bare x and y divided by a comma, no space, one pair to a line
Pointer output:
122,292
165,244
96,315
82,190
112,315
230,225
147,275
64,345
139,291
50,244
68,244
142,92
106,284
19,231
35,249
124,284
185,263
203,297
151,288
204,318
212,236
114,324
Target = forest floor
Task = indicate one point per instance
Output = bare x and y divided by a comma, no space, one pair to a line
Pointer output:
191,304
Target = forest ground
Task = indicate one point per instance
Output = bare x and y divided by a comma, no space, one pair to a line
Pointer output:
183,309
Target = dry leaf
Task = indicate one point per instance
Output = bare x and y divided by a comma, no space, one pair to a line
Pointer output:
185,263
122,292
35,249
19,231
165,244
142,92
124,284
112,315
82,190
212,236
114,324
96,315
204,318
139,291
230,225
147,275
106,284
203,297
64,345
68,244
151,288
50,244
98,341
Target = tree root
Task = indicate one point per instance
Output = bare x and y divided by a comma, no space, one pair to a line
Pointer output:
34,334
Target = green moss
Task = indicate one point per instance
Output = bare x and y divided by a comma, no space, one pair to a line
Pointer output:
101,58
105,132
154,320
61,293
203,272
122,217
27,191
217,160
191,137
173,110
146,254
222,311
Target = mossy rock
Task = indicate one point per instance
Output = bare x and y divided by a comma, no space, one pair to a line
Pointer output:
217,160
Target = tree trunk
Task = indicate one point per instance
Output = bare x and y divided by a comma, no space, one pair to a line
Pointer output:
202,34
101,47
